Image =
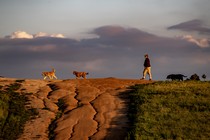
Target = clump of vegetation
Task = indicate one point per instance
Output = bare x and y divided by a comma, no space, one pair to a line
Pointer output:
13,114
53,125
170,110
195,77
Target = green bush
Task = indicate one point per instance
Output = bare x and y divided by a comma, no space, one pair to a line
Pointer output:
13,114
170,110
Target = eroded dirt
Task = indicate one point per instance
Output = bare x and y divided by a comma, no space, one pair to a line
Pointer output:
93,108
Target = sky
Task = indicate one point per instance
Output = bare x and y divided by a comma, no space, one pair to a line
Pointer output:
107,38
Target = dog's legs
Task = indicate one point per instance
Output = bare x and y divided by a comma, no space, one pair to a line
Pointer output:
55,77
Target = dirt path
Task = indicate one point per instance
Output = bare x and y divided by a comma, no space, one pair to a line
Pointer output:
93,109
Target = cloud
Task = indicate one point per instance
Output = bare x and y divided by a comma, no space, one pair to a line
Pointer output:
42,34
23,34
95,65
123,36
203,43
192,25
116,51
44,48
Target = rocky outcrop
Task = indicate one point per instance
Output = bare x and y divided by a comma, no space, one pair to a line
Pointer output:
92,109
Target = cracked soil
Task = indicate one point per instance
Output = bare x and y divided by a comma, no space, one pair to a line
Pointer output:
94,109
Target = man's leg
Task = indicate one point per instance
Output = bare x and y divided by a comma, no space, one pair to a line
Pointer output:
144,73
149,72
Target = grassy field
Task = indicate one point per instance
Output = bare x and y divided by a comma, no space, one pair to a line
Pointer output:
170,110
13,114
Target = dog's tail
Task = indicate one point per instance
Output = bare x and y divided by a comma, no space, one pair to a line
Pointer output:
182,75
74,72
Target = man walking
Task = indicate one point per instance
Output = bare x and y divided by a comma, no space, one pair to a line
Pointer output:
147,67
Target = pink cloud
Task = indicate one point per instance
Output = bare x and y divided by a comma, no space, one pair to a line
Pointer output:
25,35
203,42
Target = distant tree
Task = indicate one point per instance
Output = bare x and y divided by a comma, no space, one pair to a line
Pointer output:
204,77
195,77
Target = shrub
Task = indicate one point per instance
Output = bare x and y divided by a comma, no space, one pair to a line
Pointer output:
13,114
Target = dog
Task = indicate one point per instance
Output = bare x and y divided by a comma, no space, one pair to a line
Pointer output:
176,77
80,74
49,74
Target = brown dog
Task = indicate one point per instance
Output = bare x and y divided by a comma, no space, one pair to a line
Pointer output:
49,74
80,74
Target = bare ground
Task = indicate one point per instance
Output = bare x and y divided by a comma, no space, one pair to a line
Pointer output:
95,109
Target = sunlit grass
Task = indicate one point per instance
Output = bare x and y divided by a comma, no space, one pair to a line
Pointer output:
170,110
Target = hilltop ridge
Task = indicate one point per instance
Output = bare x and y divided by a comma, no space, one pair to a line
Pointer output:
89,109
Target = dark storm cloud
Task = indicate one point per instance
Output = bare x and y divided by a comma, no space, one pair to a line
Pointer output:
123,37
137,41
34,49
192,25
116,51
36,41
